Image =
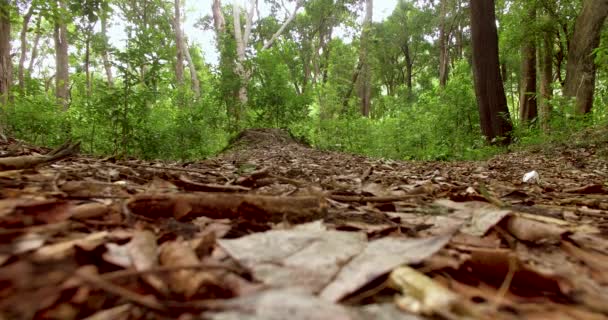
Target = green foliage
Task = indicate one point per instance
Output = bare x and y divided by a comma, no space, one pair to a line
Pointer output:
443,124
306,82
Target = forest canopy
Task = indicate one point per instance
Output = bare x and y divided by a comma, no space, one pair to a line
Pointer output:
435,79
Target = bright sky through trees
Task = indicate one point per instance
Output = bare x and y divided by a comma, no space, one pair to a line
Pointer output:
197,9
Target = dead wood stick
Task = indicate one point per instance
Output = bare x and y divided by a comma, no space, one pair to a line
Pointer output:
110,276
26,162
364,199
145,301
219,205
190,185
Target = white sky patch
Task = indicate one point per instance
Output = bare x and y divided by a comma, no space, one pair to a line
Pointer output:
194,10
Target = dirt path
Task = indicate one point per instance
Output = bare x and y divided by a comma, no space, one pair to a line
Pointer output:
272,229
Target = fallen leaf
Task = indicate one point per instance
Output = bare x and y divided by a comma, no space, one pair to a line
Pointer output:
183,282
380,257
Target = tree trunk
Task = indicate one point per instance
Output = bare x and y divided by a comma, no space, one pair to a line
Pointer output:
87,61
195,84
528,109
61,60
269,43
240,54
444,36
6,65
546,78
491,99
365,78
409,66
581,69
21,69
104,54
34,53
179,45
218,18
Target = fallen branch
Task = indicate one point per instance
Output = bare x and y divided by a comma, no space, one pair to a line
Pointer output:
363,199
145,301
26,162
229,206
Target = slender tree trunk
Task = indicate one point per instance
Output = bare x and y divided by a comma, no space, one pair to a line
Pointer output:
218,18
87,61
195,84
21,69
61,60
6,65
179,45
444,36
365,78
34,54
546,78
491,99
581,69
240,54
528,109
409,66
104,54
326,51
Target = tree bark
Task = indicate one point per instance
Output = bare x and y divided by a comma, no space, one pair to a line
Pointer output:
87,61
365,78
546,78
34,53
528,108
104,54
270,42
444,36
62,76
491,99
241,43
581,69
179,45
21,69
409,69
195,84
218,18
6,65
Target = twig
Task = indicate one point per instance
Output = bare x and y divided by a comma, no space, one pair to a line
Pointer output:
132,273
145,301
363,199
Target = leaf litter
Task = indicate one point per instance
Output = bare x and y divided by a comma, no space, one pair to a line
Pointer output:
272,229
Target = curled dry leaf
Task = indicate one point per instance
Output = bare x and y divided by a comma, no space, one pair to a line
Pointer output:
380,257
533,231
143,251
182,282
62,249
420,294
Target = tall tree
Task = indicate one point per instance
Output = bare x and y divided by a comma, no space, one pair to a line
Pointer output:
528,109
23,38
62,76
183,52
105,56
546,72
491,99
6,65
444,38
179,44
365,80
581,69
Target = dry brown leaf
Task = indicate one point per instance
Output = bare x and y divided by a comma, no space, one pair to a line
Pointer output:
65,248
183,282
380,257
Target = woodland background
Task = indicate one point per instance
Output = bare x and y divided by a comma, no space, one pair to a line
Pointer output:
432,81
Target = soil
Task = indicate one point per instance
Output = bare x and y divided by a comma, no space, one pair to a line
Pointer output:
132,239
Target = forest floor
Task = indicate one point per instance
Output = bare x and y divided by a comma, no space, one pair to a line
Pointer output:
272,229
